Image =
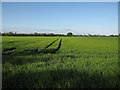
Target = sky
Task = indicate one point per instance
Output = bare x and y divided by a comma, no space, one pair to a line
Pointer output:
60,17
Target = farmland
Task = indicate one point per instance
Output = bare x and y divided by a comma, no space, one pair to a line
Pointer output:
60,62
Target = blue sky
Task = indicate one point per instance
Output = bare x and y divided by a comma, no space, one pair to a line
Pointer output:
60,17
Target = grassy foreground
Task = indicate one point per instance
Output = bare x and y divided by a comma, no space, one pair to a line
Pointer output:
60,62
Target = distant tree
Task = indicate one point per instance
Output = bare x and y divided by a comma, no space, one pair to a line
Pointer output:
35,33
43,34
61,34
90,35
50,34
10,33
69,34
111,35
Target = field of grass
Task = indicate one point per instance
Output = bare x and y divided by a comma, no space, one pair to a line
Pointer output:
60,62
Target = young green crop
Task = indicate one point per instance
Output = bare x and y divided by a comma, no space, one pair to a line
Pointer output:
80,62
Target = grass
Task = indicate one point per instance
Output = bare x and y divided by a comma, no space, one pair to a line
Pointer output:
80,62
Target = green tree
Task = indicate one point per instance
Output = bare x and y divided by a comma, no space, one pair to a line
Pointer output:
10,33
35,33
69,34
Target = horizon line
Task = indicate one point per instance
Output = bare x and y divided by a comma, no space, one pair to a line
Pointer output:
58,33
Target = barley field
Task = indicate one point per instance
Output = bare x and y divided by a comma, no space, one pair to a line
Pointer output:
60,62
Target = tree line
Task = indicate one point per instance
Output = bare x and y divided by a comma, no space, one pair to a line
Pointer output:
30,34
70,34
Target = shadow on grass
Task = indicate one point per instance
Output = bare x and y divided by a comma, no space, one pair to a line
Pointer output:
58,79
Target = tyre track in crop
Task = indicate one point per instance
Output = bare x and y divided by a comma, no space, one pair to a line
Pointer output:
51,43
53,51
12,41
7,51
45,50
36,49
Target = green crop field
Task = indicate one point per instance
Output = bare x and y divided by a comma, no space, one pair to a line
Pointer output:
60,62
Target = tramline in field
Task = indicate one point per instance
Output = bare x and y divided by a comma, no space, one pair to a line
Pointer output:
61,62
